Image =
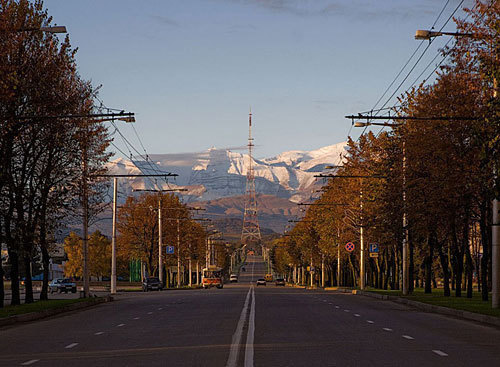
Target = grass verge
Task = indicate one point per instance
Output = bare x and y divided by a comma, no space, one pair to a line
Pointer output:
474,304
38,306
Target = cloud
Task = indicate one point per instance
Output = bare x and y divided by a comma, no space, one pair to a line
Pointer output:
165,21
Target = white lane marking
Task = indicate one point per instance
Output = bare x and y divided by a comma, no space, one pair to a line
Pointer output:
346,310
357,315
235,342
337,306
99,333
30,362
440,353
120,325
161,308
136,318
250,333
370,321
325,300
330,303
150,313
72,345
408,337
386,329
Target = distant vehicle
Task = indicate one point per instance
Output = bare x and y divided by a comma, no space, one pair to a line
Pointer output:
269,277
243,269
233,278
261,281
280,281
151,284
62,285
212,277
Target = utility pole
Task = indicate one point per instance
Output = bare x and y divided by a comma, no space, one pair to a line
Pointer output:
160,243
113,239
338,257
495,234
362,245
178,254
86,278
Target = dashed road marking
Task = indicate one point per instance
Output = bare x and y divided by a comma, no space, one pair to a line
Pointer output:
357,315
330,303
150,313
30,362
120,325
136,318
370,321
99,333
72,345
337,306
408,337
346,310
440,353
161,308
386,329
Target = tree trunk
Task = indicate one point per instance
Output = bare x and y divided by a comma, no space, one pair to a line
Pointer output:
446,271
28,282
469,270
428,264
411,265
14,278
485,240
2,289
45,280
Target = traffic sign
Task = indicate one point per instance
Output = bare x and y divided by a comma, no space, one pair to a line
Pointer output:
373,254
349,246
170,250
373,247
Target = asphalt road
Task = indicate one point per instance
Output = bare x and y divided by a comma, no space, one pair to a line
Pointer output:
244,325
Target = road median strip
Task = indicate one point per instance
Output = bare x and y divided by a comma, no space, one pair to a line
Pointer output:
52,310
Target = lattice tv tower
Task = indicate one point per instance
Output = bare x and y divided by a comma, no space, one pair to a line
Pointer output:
250,233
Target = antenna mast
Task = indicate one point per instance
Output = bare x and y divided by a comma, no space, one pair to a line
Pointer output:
250,233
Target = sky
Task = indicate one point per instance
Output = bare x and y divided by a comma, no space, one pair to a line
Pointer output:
191,69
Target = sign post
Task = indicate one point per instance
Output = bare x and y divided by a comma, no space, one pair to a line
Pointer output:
373,249
170,250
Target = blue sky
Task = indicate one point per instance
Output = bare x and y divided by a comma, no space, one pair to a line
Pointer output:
190,69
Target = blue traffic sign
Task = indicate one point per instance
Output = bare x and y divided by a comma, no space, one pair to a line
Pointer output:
373,248
170,250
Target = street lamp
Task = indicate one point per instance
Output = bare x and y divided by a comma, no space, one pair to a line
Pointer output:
422,34
495,230
406,243
49,29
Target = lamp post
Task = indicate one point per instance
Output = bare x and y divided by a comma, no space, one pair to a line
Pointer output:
406,244
495,225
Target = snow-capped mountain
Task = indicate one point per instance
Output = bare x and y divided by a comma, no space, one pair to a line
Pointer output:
218,173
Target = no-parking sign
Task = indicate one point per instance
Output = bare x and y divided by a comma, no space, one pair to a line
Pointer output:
349,246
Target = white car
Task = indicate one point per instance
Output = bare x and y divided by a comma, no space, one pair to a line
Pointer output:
233,278
261,281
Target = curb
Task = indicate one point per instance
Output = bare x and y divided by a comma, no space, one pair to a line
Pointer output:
32,316
461,314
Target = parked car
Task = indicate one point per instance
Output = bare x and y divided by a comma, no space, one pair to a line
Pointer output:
261,281
151,284
280,281
62,285
233,278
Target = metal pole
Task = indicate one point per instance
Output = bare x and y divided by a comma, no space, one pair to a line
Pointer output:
86,280
160,244
495,241
322,270
178,254
362,245
113,239
311,273
406,245
197,272
190,274
338,258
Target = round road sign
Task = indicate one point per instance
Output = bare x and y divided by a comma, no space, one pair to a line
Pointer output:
349,246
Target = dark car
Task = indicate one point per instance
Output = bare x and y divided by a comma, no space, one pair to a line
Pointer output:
151,284
280,281
62,285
